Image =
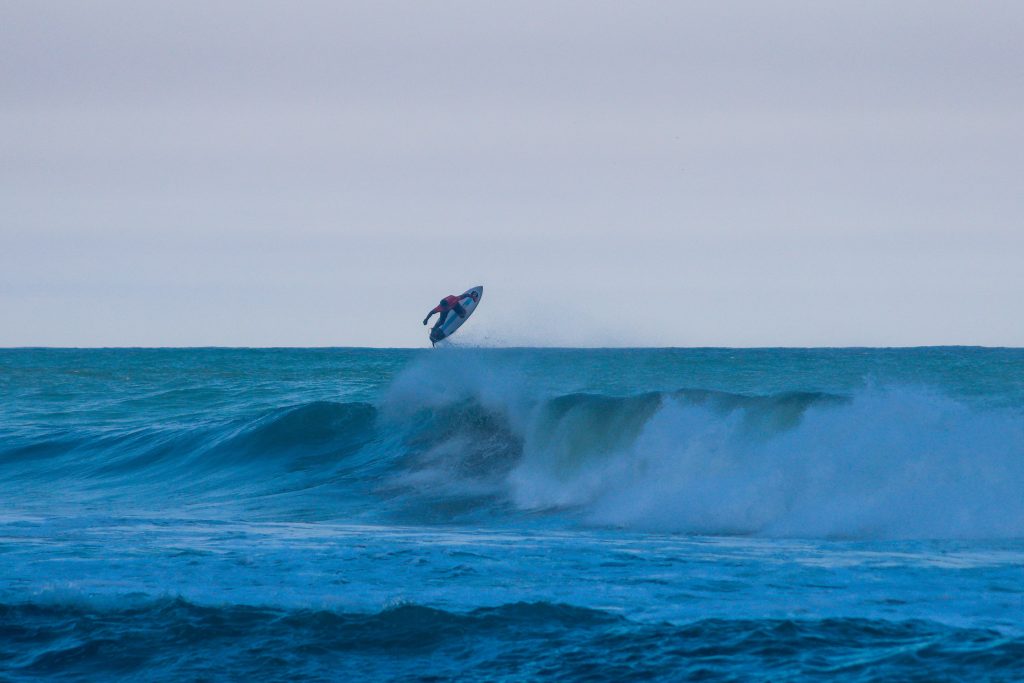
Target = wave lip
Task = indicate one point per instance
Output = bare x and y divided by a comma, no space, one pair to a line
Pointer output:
174,638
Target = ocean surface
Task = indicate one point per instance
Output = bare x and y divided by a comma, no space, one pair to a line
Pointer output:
512,514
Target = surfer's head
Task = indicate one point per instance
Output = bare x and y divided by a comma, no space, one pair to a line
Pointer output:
444,303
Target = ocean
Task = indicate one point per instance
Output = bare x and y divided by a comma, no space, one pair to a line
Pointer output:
512,514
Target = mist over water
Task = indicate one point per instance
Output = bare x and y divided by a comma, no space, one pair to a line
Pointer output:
594,497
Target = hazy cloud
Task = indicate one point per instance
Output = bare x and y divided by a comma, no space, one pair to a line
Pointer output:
319,173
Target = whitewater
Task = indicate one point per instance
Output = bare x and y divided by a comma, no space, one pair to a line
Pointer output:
721,514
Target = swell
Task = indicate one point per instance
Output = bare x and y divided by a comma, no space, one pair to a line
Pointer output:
175,638
892,462
464,447
283,451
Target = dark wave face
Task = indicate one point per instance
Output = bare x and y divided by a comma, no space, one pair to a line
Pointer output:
512,514
523,641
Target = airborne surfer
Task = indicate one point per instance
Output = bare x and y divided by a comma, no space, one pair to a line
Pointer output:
448,304
451,304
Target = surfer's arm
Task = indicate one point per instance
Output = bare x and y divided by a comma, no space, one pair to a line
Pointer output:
436,309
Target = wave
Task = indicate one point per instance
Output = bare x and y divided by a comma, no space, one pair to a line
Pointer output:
173,638
879,462
891,462
454,442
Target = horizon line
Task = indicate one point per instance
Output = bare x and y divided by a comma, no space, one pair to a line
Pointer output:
213,347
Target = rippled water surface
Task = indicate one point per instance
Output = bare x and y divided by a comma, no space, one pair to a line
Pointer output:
514,514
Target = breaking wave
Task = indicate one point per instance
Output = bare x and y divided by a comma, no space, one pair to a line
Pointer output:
465,444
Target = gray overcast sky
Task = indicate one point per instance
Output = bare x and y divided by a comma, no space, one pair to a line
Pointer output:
630,173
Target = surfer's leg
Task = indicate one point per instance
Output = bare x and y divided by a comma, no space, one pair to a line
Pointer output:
459,310
440,320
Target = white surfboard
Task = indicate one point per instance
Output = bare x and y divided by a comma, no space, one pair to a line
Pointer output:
469,300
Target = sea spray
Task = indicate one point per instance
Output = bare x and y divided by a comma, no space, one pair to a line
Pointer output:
884,463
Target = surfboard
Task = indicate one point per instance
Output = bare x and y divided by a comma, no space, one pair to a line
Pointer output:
469,300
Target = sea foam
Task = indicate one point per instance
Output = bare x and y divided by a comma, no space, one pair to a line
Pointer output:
889,461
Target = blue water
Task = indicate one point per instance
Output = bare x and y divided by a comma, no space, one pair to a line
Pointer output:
512,514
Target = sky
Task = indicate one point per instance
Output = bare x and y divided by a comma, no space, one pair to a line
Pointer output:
613,173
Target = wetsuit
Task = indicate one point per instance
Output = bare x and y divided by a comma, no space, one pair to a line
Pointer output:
449,303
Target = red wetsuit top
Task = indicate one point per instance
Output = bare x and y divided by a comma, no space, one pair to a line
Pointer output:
449,303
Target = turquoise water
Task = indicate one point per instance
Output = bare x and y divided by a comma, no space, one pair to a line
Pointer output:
512,513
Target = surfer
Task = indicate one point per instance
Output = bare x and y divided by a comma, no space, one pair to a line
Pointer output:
448,304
